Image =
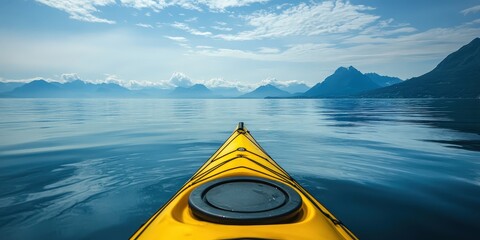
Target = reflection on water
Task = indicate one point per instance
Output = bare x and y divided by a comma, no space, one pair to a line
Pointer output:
98,168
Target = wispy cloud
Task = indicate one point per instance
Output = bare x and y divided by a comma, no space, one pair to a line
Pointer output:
203,47
193,19
224,4
185,27
365,50
222,83
143,25
157,6
86,10
281,84
471,10
216,5
179,79
69,77
306,19
81,10
177,39
268,50
220,28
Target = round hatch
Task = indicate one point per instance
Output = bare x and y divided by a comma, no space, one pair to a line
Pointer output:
245,200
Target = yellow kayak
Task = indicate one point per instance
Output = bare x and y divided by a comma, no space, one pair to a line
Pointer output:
242,193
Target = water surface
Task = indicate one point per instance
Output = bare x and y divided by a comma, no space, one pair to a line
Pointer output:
99,168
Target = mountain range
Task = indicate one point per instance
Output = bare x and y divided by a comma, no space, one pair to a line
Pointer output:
457,76
75,89
266,91
343,83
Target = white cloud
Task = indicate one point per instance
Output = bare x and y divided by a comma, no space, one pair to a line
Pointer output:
133,84
268,50
401,54
281,84
471,10
203,47
84,10
81,10
216,5
143,25
193,19
180,80
218,82
220,28
139,4
70,77
222,83
185,27
224,4
177,39
306,20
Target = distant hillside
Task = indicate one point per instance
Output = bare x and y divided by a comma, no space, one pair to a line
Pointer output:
76,89
36,88
344,82
266,91
294,88
9,86
226,91
383,81
457,76
195,91
151,92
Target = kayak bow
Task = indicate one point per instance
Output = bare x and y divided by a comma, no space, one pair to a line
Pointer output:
242,193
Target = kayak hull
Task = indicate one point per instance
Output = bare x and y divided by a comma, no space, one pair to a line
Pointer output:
241,156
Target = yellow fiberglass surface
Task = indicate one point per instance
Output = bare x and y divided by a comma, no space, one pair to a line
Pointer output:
242,157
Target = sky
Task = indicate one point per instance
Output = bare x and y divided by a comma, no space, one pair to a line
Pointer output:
169,43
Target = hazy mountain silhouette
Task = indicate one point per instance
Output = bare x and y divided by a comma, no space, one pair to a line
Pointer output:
75,89
9,86
344,82
266,91
383,81
195,91
36,88
294,88
151,92
457,76
227,92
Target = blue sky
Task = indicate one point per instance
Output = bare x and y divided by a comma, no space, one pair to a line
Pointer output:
227,42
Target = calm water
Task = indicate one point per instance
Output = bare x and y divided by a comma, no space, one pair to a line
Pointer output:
90,169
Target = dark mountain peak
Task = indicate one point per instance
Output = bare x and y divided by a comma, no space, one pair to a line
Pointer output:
466,56
346,70
38,82
343,71
344,82
199,86
457,76
351,68
264,91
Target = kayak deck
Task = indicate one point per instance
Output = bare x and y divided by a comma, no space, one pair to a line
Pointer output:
241,156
